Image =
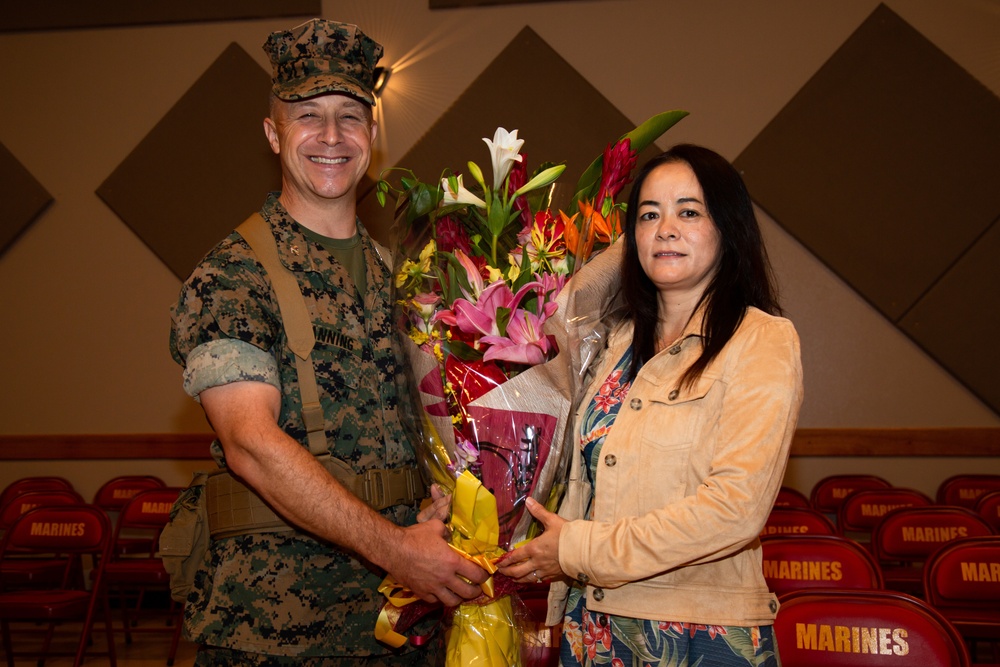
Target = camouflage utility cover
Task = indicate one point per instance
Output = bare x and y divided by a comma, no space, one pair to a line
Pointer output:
322,57
285,593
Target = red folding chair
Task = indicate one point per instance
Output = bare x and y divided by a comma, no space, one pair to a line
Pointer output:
798,562
117,491
26,484
962,580
905,538
112,497
854,628
71,532
965,490
797,521
789,497
988,507
30,569
144,515
830,492
861,510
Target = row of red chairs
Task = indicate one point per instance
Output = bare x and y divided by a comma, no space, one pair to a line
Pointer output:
48,534
900,539
962,580
829,493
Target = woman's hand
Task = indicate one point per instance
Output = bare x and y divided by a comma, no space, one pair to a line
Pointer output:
439,508
538,560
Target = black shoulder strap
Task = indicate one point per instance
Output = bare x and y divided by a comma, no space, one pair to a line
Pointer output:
297,323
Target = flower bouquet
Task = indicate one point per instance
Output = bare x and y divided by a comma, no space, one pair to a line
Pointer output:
497,323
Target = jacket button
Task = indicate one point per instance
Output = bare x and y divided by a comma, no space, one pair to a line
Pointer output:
773,606
582,578
598,594
675,349
635,404
610,460
673,394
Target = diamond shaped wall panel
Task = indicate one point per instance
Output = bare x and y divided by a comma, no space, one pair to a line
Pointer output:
885,166
958,321
528,87
23,196
203,168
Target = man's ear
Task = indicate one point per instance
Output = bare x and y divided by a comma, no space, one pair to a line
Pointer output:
271,132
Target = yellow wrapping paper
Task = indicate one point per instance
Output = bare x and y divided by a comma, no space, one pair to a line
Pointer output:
481,635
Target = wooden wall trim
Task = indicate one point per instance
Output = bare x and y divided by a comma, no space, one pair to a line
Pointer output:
114,446
808,442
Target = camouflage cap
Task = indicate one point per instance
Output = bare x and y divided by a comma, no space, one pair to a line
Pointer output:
322,56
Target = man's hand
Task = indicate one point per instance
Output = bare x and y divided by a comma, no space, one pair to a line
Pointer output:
423,561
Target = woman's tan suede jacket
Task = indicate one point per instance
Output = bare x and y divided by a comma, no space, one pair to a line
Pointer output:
686,480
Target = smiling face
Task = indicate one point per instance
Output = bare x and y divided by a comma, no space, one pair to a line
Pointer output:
324,144
677,242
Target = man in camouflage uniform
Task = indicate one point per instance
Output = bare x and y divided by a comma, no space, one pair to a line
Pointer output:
276,598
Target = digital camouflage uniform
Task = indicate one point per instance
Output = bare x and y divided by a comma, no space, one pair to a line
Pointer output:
285,593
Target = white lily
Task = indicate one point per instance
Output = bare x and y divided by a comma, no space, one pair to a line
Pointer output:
456,193
505,150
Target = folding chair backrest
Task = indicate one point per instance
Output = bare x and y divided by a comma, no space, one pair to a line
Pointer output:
965,490
797,521
61,529
789,497
863,509
114,493
913,533
835,628
32,499
26,484
988,507
828,493
817,561
965,573
148,509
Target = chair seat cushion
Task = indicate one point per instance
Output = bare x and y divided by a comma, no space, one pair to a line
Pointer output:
43,605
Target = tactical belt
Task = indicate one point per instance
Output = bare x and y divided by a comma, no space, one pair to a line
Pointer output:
233,509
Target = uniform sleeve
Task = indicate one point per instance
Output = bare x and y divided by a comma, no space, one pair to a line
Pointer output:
225,322
751,440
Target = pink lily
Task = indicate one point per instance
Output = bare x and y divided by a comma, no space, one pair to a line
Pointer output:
525,343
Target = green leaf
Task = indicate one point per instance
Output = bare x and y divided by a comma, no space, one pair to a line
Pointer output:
542,179
641,137
464,351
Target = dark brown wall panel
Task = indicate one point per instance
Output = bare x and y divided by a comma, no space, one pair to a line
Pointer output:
958,321
203,168
885,166
558,113
54,14
23,196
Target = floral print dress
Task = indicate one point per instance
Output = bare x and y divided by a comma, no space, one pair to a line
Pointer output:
594,638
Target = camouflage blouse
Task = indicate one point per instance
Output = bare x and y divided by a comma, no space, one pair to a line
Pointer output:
285,593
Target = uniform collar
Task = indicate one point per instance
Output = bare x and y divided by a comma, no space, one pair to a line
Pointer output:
300,254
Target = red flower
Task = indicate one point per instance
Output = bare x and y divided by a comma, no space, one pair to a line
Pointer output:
616,170
451,234
596,635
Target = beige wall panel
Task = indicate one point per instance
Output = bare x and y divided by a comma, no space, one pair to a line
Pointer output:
88,301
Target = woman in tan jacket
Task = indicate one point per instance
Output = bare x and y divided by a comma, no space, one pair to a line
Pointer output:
684,436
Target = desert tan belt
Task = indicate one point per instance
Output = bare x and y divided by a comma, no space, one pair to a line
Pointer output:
233,509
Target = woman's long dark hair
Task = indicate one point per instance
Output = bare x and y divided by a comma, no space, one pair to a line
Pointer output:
743,277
